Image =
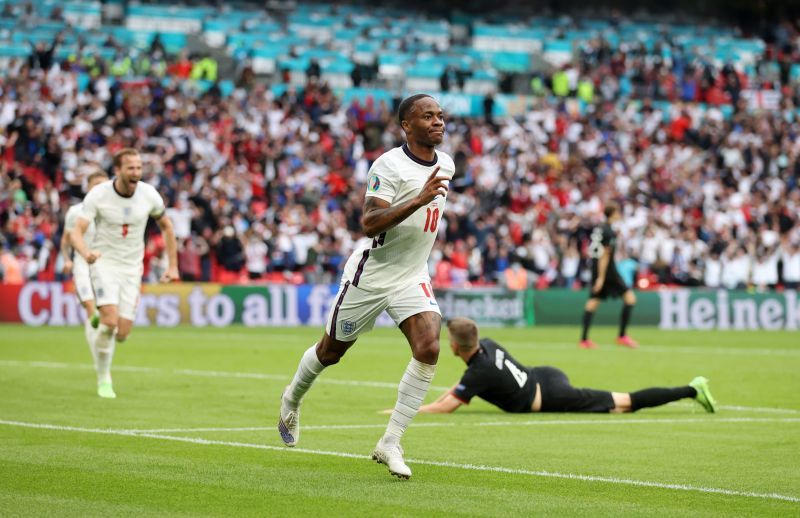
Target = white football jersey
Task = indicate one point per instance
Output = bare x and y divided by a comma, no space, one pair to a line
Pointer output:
69,224
120,222
399,256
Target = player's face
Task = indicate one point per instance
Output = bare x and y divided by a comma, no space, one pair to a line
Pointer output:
426,122
453,345
130,171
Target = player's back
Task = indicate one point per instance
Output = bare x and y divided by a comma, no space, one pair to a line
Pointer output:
503,381
399,256
121,222
603,236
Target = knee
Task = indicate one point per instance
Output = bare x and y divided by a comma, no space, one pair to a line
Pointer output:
427,350
328,358
110,321
329,352
122,335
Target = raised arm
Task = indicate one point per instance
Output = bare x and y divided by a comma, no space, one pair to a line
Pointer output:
379,216
165,224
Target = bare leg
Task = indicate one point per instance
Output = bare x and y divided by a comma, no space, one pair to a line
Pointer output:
124,327
622,402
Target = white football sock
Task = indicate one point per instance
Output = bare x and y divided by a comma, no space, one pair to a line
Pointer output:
410,394
104,344
90,334
307,371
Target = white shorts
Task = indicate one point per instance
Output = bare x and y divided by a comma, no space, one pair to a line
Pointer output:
117,287
82,279
356,310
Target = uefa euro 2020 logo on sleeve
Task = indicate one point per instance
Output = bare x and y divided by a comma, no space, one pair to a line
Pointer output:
374,183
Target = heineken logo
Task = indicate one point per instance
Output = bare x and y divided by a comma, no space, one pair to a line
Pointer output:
687,309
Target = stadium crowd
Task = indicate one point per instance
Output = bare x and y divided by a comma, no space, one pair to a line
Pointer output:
270,187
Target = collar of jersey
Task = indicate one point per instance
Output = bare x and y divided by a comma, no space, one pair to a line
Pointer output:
415,158
114,186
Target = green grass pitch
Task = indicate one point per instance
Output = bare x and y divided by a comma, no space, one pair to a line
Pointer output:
192,431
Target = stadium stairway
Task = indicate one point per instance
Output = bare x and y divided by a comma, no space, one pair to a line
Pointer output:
226,65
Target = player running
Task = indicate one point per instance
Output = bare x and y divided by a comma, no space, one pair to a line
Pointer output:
495,376
119,209
79,267
606,281
406,193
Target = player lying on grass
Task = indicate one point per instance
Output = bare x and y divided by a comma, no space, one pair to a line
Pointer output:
495,376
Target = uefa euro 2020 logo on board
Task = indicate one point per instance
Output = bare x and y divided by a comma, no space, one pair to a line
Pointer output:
374,183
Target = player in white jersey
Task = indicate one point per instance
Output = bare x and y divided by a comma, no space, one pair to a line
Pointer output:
406,193
120,209
79,267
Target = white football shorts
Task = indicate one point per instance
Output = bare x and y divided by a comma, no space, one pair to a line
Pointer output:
356,310
82,279
118,287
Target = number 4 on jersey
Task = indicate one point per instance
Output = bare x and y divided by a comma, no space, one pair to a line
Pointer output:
519,375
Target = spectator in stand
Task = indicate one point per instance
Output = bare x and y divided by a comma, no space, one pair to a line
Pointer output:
256,252
230,252
790,255
515,277
698,186
10,267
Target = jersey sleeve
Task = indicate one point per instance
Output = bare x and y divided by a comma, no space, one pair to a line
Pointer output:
69,219
89,208
448,166
157,208
382,181
471,384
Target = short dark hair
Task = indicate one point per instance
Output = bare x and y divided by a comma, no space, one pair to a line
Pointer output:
611,209
406,105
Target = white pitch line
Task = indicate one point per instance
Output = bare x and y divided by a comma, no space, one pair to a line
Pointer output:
204,373
534,344
280,377
564,422
468,467
766,410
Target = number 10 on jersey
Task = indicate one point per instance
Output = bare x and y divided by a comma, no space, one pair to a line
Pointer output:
431,219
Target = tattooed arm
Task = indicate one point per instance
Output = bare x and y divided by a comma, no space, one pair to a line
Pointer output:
379,216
